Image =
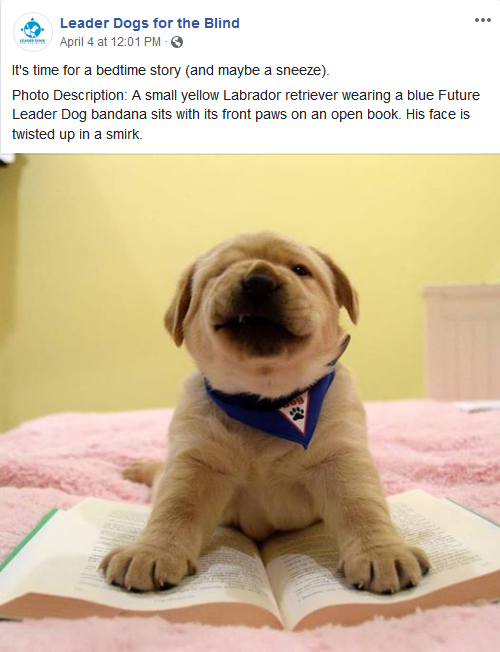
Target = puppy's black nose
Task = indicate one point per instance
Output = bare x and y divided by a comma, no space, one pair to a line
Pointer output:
259,285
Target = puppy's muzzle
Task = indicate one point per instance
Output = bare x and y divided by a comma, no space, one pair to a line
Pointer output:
258,287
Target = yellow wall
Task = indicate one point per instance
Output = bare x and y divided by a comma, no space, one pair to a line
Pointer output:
91,246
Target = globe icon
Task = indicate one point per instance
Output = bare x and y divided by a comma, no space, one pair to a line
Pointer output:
32,29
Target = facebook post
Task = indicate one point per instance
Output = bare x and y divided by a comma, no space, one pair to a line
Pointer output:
339,77
249,325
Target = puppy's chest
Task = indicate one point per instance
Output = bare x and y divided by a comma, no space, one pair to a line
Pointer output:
271,464
272,495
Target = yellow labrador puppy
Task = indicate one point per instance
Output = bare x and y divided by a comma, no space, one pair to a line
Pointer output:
270,431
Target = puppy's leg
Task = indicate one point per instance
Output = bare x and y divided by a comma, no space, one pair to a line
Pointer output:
373,555
190,499
143,472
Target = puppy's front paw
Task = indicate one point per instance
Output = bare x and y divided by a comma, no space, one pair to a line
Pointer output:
385,568
141,567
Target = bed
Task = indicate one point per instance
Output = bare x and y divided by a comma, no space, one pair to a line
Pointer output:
57,460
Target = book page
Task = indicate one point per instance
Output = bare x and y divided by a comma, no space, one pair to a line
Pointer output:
27,558
302,565
67,559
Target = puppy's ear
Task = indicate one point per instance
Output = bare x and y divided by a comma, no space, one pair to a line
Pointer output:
176,314
346,295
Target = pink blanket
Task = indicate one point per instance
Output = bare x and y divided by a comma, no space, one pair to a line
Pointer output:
56,460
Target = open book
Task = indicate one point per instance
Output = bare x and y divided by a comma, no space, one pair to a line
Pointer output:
288,582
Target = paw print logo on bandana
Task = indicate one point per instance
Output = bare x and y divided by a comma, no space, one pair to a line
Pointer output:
297,413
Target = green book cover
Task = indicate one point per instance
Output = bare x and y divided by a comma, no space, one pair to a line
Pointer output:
28,538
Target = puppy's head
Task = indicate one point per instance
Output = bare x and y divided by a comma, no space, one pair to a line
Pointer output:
259,313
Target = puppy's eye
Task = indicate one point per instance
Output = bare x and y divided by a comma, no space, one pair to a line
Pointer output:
300,270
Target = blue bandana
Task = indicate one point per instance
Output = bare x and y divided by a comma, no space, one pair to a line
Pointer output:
293,418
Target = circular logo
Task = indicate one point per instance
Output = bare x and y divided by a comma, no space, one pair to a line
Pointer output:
177,42
33,32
